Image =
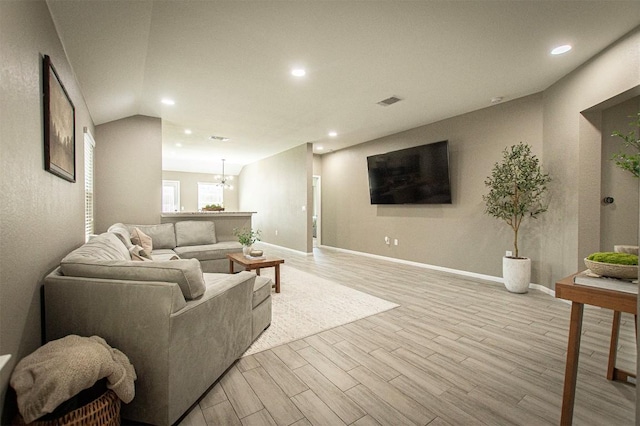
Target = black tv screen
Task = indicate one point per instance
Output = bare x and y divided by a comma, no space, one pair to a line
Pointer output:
418,175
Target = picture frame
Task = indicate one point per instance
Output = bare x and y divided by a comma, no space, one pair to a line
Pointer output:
59,125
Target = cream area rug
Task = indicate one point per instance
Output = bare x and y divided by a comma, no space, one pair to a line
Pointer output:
308,304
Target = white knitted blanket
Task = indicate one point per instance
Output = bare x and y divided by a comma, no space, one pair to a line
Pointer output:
62,368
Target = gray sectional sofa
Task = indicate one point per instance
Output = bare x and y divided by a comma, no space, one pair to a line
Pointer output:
189,239
181,328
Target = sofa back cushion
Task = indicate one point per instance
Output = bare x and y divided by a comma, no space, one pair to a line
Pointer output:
162,236
185,272
195,232
104,256
123,233
101,247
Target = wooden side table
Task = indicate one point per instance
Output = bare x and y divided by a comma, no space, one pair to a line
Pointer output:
256,265
579,295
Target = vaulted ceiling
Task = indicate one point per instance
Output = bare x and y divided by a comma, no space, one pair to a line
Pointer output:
227,65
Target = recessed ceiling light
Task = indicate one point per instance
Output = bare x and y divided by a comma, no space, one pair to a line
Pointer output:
561,49
298,72
168,101
179,145
187,131
333,134
319,148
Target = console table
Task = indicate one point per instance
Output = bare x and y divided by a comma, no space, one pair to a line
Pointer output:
579,295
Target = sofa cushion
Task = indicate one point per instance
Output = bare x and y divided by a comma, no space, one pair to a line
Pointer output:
195,232
163,235
107,246
185,272
123,233
209,251
261,290
141,239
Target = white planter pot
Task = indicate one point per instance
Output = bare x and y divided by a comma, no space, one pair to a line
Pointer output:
516,274
246,250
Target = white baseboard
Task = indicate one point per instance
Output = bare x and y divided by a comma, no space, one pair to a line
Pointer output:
286,248
484,277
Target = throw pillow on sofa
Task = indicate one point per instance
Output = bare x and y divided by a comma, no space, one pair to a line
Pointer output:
138,253
141,239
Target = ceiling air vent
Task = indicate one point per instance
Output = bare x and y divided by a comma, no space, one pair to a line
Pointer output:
389,101
218,138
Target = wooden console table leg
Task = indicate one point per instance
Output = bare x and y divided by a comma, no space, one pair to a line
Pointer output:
613,347
230,266
571,369
277,278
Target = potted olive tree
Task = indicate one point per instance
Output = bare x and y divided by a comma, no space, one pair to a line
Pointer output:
517,187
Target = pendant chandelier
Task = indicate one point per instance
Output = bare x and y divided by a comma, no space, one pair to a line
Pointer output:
223,180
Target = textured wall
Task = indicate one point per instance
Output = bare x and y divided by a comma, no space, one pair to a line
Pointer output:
41,215
278,188
563,124
619,220
189,189
458,235
128,172
572,152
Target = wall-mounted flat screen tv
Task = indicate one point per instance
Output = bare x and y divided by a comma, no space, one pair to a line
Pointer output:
418,175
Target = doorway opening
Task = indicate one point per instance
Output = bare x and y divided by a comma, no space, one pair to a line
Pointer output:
316,215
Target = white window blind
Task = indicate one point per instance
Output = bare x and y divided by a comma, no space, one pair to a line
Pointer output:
209,193
89,150
170,196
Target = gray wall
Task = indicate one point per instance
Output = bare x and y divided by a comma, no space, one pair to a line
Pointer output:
572,152
41,215
189,189
619,220
128,172
278,188
563,124
458,235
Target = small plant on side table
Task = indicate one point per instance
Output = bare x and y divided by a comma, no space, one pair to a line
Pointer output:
247,237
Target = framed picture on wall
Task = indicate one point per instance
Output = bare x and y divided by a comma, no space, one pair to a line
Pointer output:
59,125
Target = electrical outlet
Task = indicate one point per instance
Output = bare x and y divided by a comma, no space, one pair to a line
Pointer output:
395,242
276,232
509,253
386,240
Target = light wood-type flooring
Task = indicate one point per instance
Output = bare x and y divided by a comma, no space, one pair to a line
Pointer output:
458,351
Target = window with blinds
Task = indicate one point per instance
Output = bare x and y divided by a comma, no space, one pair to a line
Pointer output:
89,149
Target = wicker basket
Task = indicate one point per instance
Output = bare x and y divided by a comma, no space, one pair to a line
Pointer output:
625,272
103,411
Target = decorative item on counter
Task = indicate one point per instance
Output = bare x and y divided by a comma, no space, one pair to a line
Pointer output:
213,208
255,253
